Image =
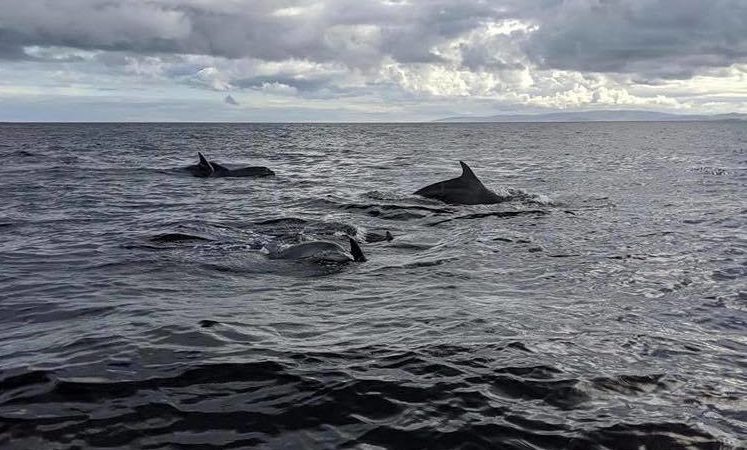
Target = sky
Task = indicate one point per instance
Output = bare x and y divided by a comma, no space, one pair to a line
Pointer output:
366,60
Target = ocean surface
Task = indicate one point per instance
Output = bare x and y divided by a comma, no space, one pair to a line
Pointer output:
604,305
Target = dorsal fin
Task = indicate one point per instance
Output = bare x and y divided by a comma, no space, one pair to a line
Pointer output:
204,163
467,173
356,251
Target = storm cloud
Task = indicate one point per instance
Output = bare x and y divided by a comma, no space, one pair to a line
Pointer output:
512,54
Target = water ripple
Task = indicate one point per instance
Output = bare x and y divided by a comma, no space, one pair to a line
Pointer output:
601,306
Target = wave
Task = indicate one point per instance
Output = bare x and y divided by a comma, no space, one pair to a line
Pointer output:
500,214
708,170
440,397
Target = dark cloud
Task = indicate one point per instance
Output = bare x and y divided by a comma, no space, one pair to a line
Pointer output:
12,52
654,38
348,31
9,50
665,38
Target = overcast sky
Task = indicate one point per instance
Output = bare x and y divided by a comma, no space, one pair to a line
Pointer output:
361,60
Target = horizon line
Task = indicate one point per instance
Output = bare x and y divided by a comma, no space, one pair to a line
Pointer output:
414,122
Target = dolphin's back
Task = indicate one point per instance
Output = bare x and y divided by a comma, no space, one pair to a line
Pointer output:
251,171
203,169
220,170
466,189
322,251
446,190
207,168
319,250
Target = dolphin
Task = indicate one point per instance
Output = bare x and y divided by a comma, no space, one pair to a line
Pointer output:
467,189
322,251
205,169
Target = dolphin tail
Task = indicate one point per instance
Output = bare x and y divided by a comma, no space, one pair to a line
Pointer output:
356,251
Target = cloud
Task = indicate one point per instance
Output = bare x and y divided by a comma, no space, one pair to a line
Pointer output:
649,37
300,83
655,38
358,33
384,55
230,100
10,51
210,77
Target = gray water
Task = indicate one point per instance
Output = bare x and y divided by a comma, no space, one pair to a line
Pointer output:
603,306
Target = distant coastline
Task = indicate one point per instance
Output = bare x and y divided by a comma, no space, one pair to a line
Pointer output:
551,117
598,116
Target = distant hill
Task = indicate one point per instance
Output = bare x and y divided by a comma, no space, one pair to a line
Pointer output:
598,116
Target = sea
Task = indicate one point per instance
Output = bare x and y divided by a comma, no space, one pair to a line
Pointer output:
603,305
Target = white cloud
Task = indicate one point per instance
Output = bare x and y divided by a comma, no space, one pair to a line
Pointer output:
278,88
212,78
